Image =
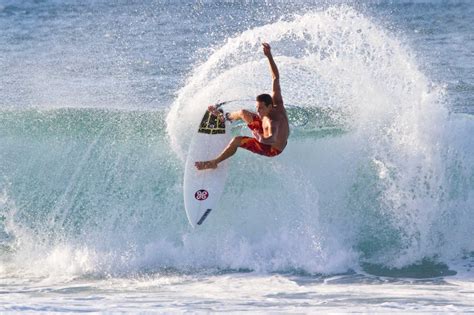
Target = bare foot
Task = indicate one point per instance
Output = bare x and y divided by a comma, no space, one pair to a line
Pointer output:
206,165
214,111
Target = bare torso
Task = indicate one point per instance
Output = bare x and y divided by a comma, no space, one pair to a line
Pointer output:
279,120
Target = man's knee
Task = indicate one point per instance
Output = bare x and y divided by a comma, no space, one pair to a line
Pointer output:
236,141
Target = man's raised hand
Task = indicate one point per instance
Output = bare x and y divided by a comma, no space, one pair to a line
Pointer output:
266,49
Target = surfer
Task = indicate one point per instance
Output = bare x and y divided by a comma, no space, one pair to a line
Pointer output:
269,125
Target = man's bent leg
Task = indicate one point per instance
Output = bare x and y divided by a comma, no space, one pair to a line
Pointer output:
227,153
254,146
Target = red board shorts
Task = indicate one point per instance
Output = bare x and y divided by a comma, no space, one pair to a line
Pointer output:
253,145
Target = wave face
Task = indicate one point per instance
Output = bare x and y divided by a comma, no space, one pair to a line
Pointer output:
380,172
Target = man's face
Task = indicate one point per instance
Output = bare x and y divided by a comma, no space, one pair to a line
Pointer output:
262,109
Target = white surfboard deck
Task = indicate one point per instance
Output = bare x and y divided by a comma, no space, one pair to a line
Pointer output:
203,189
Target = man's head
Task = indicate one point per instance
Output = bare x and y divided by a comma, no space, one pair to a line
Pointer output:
264,104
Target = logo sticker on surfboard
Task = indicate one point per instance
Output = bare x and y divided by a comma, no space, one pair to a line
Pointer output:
201,195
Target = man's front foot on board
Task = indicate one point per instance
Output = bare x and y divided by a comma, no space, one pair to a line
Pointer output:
206,165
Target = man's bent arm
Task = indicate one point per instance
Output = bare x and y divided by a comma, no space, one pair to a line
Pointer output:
268,140
271,139
243,114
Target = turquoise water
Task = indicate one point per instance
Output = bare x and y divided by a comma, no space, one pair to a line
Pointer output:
369,205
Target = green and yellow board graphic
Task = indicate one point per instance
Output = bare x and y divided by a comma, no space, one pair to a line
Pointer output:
211,124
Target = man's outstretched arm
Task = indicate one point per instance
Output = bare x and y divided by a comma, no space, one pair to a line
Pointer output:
276,90
243,114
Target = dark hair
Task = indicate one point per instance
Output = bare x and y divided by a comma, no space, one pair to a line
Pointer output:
266,98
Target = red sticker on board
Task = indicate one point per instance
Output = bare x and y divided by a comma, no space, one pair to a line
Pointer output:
201,195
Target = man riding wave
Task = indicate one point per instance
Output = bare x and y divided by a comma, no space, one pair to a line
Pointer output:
269,125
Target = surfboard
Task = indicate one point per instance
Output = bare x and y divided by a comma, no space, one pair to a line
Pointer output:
203,189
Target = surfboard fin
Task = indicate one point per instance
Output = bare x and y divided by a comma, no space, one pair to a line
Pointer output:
204,216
